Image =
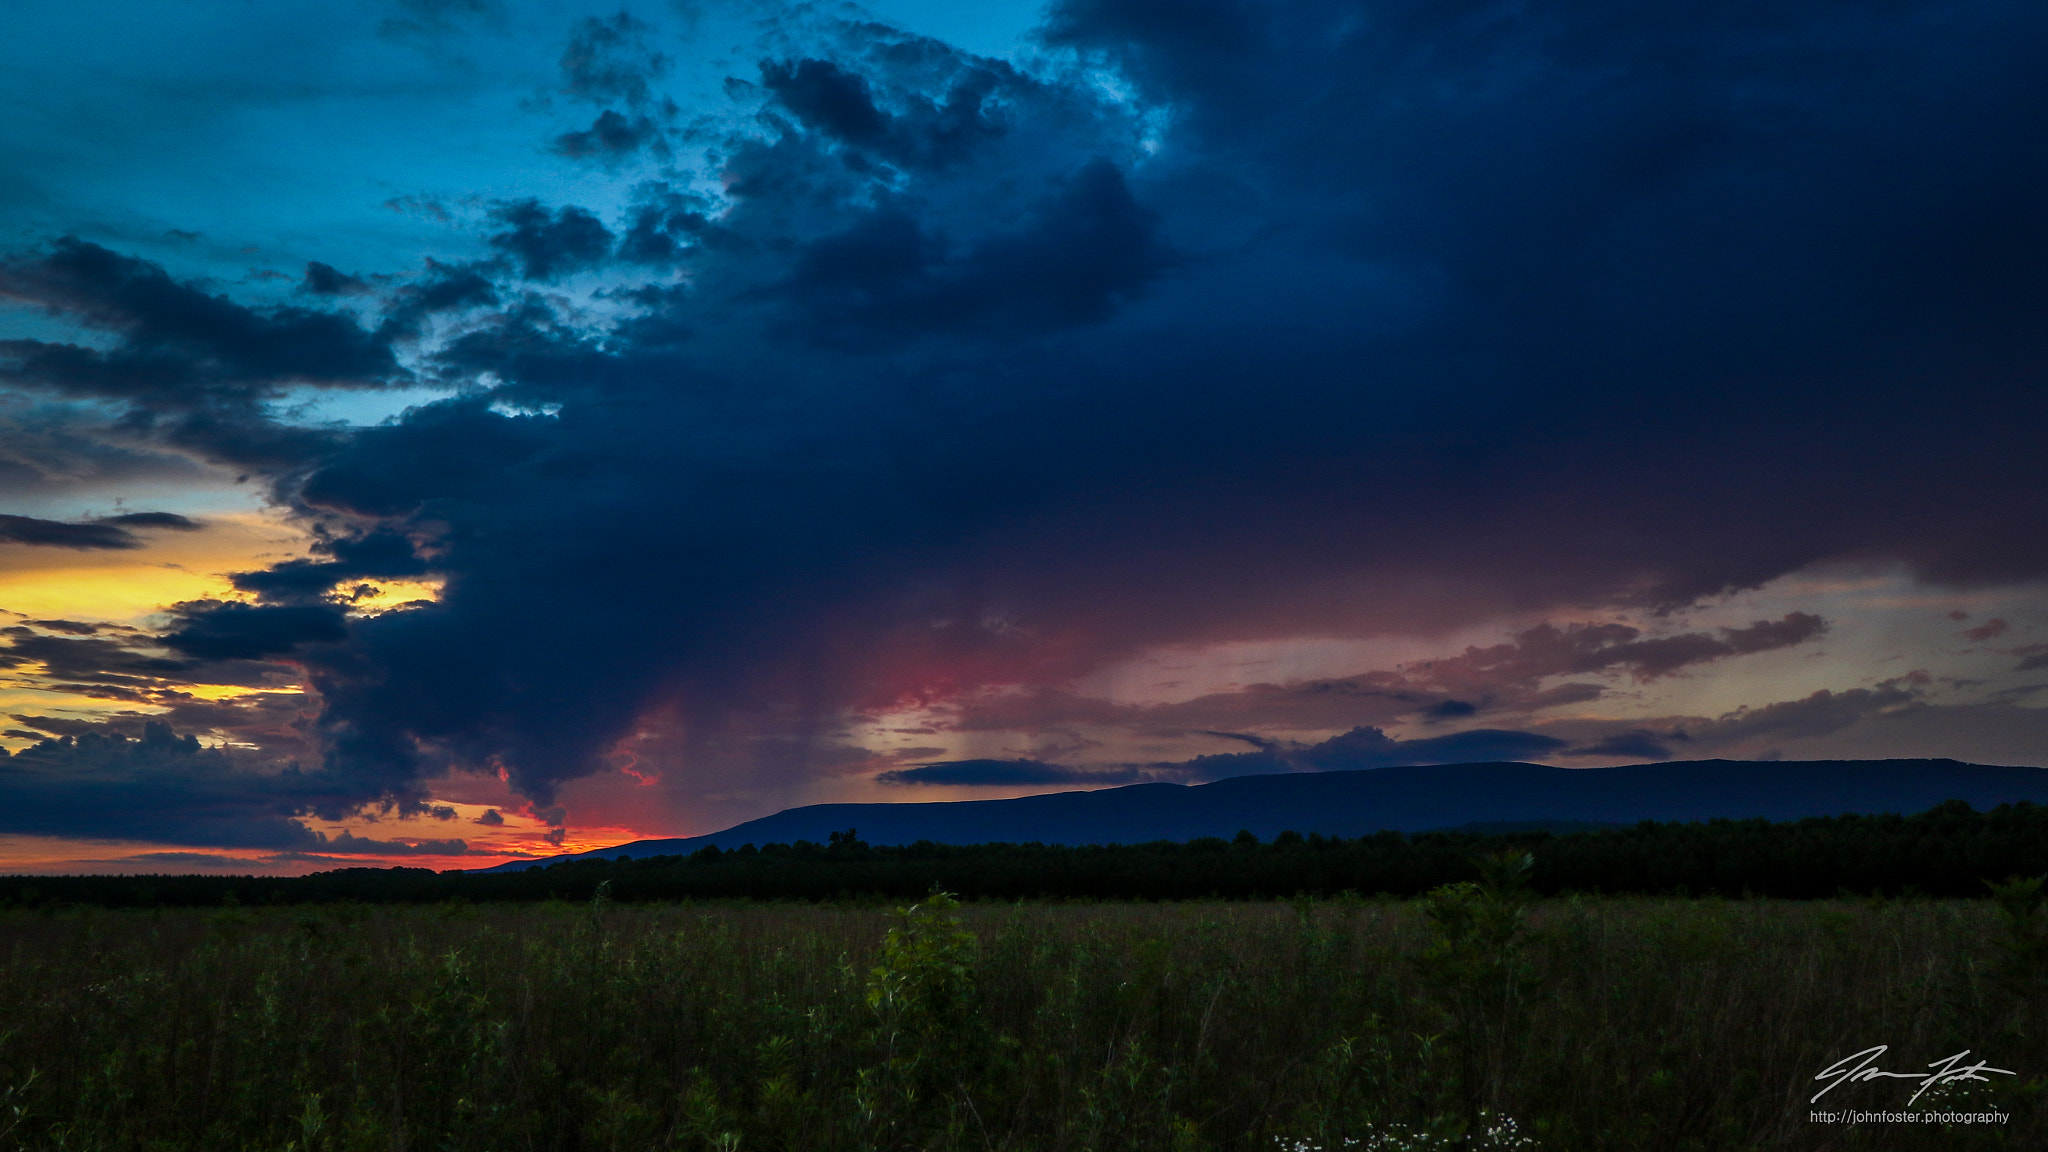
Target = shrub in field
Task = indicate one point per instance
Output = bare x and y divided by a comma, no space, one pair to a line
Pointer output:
2023,951
2025,940
1479,969
932,1043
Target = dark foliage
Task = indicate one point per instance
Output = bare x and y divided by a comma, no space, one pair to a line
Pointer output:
1949,851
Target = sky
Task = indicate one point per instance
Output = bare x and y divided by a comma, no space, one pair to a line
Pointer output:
441,432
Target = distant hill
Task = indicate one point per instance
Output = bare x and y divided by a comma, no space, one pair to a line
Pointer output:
1357,803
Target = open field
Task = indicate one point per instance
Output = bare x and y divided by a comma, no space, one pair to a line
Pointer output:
1609,1023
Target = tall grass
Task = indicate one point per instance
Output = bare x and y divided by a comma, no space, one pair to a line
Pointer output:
1623,1024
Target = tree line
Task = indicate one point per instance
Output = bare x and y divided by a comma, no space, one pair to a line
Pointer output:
1948,851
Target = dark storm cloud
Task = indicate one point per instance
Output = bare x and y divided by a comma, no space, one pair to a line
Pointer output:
378,555
170,790
174,337
326,280
611,135
664,227
1085,248
547,245
1058,243
228,630
1350,320
449,453
827,99
191,366
444,288
929,107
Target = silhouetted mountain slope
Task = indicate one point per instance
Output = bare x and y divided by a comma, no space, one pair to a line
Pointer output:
1356,803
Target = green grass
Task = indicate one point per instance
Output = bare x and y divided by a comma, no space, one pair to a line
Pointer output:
1611,1023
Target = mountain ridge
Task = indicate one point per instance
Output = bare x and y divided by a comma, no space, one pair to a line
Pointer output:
1356,802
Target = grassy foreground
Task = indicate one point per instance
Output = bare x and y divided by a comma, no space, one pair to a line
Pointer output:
1610,1023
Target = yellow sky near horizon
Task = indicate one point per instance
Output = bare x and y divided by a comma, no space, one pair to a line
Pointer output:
125,586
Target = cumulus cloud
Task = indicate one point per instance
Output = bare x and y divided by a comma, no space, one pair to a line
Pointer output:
546,245
375,555
957,105
611,135
325,280
1822,713
230,630
1513,676
1081,251
191,366
608,58
123,657
1898,705
1008,773
1359,748
173,337
1824,723
1547,650
168,789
